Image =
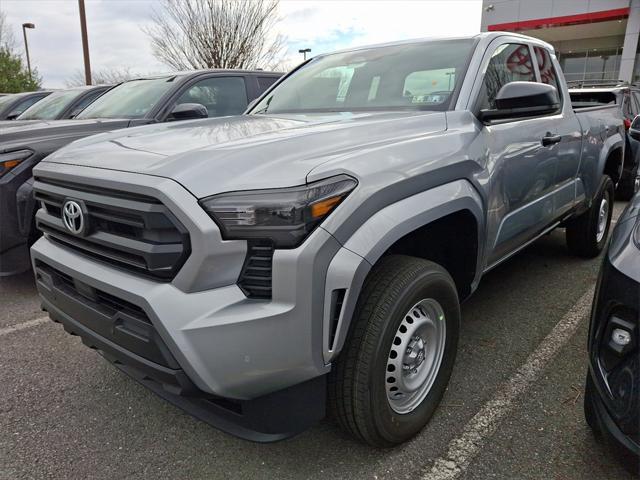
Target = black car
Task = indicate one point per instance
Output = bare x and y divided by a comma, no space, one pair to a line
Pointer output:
12,106
59,105
612,394
627,97
162,98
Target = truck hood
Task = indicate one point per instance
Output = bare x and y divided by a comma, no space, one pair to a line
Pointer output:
248,151
12,137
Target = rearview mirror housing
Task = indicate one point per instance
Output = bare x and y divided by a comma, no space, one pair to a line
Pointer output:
14,114
523,99
188,111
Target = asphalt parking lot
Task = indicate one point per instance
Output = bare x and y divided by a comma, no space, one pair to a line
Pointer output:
513,408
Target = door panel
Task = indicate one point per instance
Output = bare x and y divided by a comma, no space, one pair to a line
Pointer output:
522,184
567,151
521,170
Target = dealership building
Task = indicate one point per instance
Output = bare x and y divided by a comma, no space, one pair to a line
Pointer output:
593,39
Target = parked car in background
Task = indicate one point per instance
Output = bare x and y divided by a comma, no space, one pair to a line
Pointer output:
59,105
162,98
588,94
248,268
13,105
612,395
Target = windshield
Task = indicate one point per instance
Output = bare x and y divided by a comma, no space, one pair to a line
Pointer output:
411,76
133,99
51,106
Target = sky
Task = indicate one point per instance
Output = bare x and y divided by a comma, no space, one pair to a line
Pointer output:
117,41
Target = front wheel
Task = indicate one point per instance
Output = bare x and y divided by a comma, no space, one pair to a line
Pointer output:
396,363
587,234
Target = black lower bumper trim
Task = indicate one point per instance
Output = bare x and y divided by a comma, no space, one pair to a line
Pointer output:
269,418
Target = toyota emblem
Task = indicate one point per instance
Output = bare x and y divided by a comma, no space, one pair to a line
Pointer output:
73,217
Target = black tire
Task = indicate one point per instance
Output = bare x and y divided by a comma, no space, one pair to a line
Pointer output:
626,187
582,231
589,408
357,392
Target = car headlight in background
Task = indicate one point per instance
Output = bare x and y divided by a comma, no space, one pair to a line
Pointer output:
285,216
10,160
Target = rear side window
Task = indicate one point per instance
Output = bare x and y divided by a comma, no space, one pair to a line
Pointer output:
548,73
510,62
221,96
592,99
265,82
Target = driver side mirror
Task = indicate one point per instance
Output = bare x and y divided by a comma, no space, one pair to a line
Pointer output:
634,129
188,111
523,99
14,114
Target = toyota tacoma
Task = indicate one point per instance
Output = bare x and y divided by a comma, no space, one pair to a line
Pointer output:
313,252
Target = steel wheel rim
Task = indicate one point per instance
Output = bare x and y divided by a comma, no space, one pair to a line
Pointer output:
415,356
603,216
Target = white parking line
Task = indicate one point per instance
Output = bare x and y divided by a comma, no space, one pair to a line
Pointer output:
21,326
466,446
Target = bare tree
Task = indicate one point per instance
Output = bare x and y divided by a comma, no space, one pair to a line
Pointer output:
101,76
193,34
7,40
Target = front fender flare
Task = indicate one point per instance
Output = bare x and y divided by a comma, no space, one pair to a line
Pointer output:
367,244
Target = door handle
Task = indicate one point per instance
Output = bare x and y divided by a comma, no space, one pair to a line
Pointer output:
549,139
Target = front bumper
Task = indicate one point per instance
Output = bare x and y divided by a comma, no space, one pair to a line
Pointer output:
125,337
227,344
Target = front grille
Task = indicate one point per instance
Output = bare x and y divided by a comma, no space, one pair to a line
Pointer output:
255,278
128,230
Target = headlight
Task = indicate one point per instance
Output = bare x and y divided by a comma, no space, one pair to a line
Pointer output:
285,216
11,160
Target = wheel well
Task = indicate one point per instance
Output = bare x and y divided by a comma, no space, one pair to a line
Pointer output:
613,165
451,241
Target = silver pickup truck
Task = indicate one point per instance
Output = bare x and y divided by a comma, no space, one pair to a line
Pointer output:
314,251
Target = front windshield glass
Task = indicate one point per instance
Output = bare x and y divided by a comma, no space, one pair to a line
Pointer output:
132,99
420,76
50,107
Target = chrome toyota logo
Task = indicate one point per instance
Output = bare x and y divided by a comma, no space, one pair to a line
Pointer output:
73,217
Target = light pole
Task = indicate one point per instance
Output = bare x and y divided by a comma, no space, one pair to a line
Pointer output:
85,42
26,45
304,52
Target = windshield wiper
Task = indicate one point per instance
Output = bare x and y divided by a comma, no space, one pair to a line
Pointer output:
266,107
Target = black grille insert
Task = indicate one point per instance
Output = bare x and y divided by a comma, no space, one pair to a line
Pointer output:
256,276
131,231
